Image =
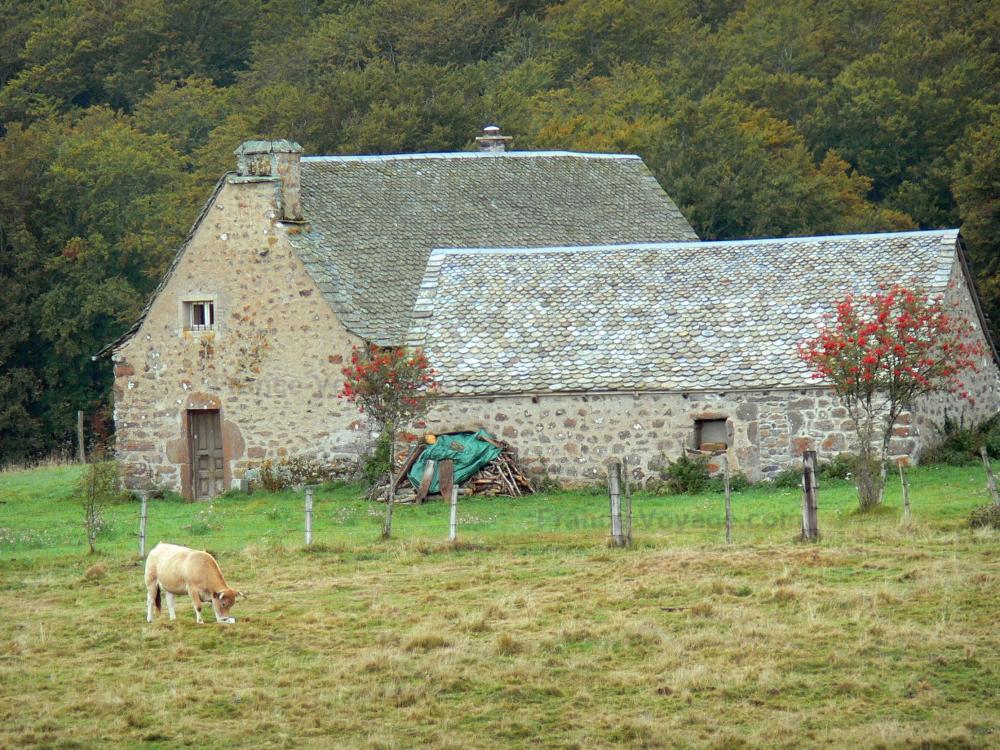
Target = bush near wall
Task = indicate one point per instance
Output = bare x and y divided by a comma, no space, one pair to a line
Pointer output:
841,467
691,475
960,443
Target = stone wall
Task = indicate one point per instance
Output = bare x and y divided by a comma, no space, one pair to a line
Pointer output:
272,367
573,437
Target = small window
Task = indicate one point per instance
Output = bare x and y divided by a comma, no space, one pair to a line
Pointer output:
199,316
710,434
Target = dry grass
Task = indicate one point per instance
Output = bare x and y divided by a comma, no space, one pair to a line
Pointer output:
880,636
776,646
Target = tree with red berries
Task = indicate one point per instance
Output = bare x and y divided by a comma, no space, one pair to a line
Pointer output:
882,351
391,387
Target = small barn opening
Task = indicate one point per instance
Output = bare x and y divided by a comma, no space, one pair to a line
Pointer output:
711,434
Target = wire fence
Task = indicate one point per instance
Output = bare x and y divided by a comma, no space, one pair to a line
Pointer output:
286,520
340,517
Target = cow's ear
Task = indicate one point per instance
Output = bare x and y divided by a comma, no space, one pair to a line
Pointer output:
240,595
218,594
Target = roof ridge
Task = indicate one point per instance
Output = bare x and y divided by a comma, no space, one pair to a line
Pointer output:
701,244
461,155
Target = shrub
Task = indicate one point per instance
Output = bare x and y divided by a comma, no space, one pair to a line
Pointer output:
377,464
686,475
269,475
690,475
546,483
985,516
790,476
959,444
842,467
738,482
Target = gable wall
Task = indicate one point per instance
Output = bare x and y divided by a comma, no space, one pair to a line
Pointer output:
272,368
983,386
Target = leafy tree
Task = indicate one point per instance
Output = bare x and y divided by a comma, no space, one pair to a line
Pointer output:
187,111
734,170
977,190
760,117
392,387
22,432
894,113
882,351
82,53
88,216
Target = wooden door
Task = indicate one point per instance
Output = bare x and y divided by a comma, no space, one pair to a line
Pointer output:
207,467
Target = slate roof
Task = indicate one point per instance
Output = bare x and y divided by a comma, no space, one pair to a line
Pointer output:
673,316
373,220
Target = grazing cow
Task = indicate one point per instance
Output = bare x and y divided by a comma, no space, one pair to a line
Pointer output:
179,570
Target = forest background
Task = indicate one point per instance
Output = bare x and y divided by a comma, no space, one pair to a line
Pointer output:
776,118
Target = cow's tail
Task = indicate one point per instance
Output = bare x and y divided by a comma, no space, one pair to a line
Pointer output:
156,601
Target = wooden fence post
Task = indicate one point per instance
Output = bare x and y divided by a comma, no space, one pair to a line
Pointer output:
142,526
627,482
81,453
615,494
309,516
810,501
990,481
729,499
453,524
906,492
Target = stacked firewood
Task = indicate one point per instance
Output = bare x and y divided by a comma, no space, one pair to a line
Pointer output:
501,476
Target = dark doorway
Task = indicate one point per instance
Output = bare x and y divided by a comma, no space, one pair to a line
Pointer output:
207,462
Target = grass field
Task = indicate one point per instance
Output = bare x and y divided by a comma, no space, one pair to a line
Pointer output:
529,633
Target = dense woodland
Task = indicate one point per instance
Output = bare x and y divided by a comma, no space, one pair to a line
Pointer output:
760,118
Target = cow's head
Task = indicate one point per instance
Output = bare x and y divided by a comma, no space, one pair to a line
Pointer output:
224,600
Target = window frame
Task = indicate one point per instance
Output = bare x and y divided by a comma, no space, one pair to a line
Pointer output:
187,305
699,435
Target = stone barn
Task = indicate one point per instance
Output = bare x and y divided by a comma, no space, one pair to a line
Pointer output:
566,302
583,354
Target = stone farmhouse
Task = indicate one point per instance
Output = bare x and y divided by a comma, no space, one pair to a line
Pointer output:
565,301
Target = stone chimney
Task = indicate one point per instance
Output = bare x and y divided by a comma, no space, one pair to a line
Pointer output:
491,140
275,159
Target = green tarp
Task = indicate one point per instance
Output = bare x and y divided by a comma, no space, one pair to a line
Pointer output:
468,450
